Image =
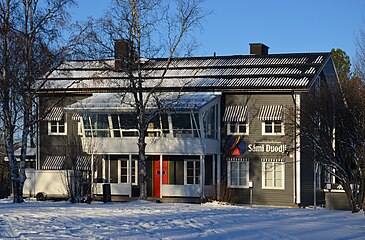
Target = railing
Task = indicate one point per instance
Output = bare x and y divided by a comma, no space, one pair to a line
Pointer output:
97,133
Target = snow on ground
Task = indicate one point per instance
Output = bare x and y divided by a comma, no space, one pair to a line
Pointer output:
147,220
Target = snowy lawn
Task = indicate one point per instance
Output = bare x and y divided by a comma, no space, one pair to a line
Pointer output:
147,220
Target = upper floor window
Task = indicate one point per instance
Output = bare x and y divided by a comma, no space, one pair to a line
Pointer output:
185,125
272,120
236,128
273,128
96,125
78,119
57,127
56,121
236,118
210,122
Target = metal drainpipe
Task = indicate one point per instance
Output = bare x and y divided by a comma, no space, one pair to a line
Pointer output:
38,151
295,146
315,169
202,157
130,173
161,174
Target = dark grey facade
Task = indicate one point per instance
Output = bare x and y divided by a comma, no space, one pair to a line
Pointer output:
256,158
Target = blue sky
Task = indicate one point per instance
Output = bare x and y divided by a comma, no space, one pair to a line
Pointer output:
284,25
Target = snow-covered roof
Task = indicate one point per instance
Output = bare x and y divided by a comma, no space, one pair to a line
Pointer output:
31,152
122,102
244,72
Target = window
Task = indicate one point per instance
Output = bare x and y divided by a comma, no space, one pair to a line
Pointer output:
236,128
183,125
236,118
57,127
238,174
210,124
273,175
192,172
124,125
96,125
79,128
124,171
272,119
273,127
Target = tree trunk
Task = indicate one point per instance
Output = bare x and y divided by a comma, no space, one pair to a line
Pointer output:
142,166
350,197
22,177
13,171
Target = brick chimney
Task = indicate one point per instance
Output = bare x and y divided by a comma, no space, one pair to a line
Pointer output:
259,49
123,53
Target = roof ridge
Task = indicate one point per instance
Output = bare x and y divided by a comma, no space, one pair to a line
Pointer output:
214,57
246,56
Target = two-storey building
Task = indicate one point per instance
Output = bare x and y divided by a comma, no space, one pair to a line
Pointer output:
236,124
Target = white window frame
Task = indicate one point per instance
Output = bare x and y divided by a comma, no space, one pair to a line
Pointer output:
195,166
263,128
135,182
58,125
237,128
80,128
282,166
247,172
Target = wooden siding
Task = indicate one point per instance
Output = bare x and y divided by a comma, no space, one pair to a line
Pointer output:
326,84
261,196
58,145
306,173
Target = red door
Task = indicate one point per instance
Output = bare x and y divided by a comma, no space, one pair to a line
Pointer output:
156,175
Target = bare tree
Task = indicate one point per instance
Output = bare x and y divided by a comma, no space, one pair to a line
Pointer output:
149,29
73,177
4,170
359,67
332,126
29,30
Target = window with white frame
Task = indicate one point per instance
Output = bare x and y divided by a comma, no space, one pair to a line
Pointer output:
125,176
79,128
273,175
272,118
192,172
237,128
275,127
238,173
236,118
78,119
57,127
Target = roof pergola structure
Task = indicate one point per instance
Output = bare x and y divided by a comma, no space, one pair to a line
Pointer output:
284,72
